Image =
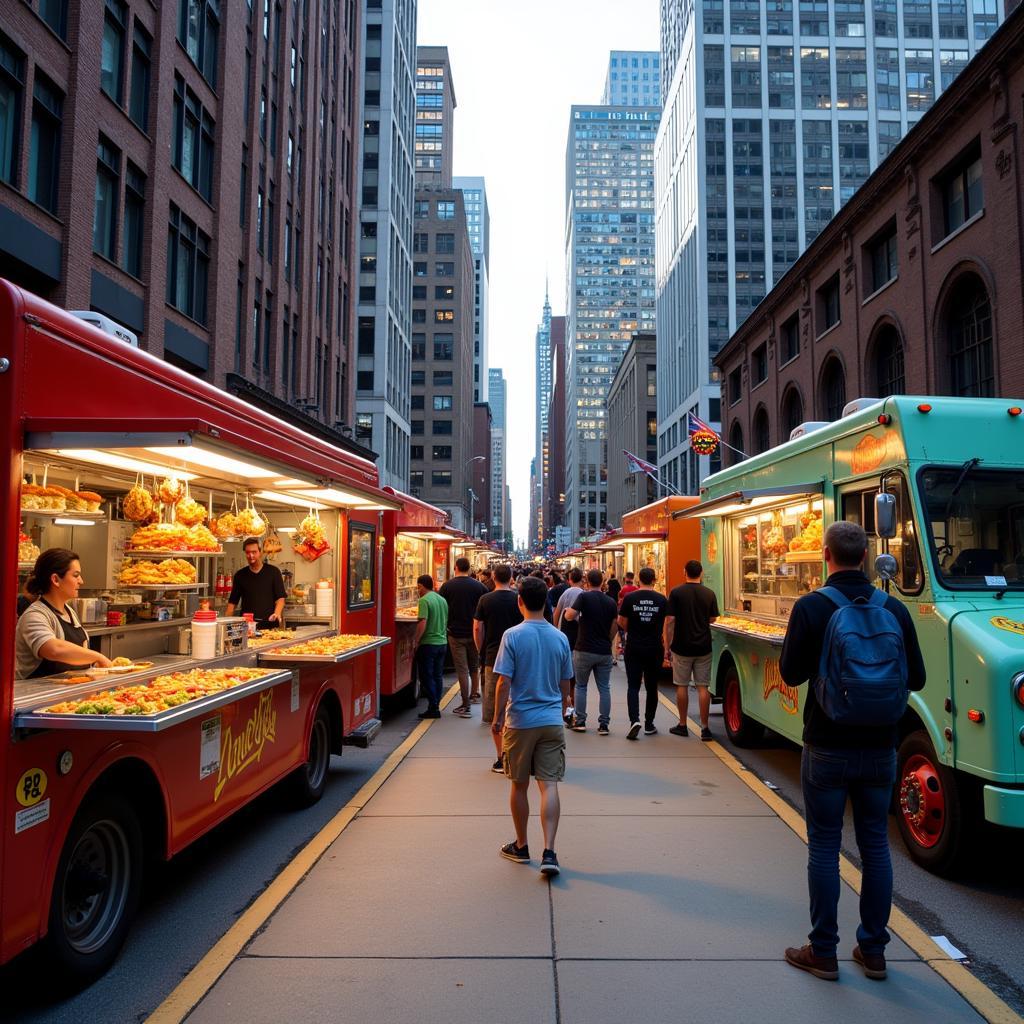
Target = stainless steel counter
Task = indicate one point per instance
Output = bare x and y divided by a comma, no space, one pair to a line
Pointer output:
134,627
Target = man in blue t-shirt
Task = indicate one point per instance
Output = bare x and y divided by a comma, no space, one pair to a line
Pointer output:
534,670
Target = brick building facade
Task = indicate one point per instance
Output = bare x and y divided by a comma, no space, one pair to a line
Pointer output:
187,169
915,287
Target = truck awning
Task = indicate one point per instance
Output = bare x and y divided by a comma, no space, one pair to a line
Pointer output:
618,541
749,500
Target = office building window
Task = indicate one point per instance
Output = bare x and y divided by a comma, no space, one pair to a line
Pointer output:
951,63
44,146
192,154
444,316
442,403
104,218
789,339
714,18
986,17
745,17
885,18
735,385
134,208
420,242
419,269
416,429
828,305
115,26
889,135
199,33
882,255
416,452
888,94
969,332
850,19
442,452
442,427
419,346
814,17
443,269
961,189
759,365
188,260
785,232
441,477
419,316
890,377
815,78
364,382
444,291
714,76
421,209
442,378
445,210
444,242
418,378
818,198
138,101
419,293
917,19
920,79
851,79
781,77
55,14
854,160
746,76
12,84
779,17
444,347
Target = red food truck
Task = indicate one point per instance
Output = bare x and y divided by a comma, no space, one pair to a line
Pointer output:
151,477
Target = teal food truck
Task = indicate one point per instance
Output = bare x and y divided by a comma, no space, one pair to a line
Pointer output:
938,484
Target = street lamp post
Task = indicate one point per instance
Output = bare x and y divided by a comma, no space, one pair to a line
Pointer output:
472,493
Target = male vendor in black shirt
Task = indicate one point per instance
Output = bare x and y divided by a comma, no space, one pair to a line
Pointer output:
258,587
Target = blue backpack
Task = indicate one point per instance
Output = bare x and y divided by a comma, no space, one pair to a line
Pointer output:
862,675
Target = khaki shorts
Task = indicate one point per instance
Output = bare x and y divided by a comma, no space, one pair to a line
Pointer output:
487,700
538,752
686,669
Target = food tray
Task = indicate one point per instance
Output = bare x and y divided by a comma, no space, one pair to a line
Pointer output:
150,723
284,658
66,513
804,556
149,587
775,641
164,553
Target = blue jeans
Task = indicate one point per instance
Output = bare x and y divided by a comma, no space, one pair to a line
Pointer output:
601,664
828,776
430,663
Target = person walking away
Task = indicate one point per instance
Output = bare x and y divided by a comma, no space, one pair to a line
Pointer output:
692,608
431,643
534,672
613,586
462,593
555,591
496,613
849,752
573,589
627,587
487,578
642,619
596,614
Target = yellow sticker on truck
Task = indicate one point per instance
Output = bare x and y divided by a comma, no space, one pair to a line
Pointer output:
31,787
1001,622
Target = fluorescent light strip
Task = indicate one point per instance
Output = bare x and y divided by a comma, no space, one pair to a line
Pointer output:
286,529
289,499
61,521
339,497
197,456
114,461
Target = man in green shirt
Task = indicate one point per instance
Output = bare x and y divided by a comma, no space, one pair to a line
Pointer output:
431,643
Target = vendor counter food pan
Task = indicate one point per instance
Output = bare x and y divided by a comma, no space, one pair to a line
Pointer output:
151,723
749,634
282,657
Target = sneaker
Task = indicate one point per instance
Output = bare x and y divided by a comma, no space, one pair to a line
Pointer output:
705,733
519,854
651,730
824,967
602,730
578,725
634,731
679,730
498,767
549,863
463,711
872,963
429,713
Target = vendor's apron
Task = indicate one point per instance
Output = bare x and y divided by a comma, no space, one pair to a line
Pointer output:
73,634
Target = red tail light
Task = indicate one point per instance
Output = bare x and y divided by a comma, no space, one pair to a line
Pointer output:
924,407
1015,410
976,716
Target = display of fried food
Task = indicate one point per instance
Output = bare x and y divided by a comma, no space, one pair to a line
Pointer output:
160,537
271,636
170,572
251,523
329,646
171,490
137,505
751,626
49,499
121,661
311,530
72,501
27,551
91,499
225,525
199,538
161,694
189,512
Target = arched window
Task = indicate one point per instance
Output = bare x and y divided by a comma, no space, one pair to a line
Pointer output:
969,340
833,390
736,443
792,412
762,440
889,374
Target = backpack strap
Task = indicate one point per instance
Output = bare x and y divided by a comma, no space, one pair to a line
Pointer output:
836,596
878,598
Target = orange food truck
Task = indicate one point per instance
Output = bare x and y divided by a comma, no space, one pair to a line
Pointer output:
153,477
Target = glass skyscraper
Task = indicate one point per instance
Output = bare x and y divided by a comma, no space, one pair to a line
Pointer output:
609,284
478,222
775,113
634,79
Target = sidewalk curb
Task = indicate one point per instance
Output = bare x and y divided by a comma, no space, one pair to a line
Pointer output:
973,990
192,989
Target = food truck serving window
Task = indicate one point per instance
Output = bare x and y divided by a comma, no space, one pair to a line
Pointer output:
360,565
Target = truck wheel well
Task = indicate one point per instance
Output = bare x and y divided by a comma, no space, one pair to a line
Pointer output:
333,705
134,779
725,663
910,722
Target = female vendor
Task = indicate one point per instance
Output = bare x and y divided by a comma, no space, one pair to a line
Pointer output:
49,638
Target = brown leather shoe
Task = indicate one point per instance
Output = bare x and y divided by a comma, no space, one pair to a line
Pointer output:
873,963
824,967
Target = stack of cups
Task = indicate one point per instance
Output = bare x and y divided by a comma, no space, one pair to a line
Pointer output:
204,634
324,601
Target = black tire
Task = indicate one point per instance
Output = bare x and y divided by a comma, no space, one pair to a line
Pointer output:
742,730
309,779
937,811
96,889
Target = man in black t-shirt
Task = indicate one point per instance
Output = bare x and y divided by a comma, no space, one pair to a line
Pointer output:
462,593
692,608
496,612
642,619
258,588
595,612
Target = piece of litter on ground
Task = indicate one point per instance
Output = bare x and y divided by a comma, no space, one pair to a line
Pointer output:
770,785
948,948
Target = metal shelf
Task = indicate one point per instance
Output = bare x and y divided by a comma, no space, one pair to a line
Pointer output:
143,588
67,513
164,553
775,641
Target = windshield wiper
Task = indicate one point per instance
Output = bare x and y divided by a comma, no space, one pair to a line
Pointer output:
964,470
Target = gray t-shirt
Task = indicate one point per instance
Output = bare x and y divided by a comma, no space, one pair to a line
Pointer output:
38,623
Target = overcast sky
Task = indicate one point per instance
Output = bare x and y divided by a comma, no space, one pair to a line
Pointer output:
517,69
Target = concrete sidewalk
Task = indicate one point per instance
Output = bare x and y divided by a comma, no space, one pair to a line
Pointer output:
680,889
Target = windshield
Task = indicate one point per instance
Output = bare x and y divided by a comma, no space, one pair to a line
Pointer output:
975,520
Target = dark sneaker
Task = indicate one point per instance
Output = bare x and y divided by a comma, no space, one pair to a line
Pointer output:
463,711
498,768
824,967
429,714
705,734
520,854
679,730
651,730
568,718
634,731
873,963
578,726
549,863
602,730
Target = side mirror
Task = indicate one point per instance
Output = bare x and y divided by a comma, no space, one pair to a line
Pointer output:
887,567
885,515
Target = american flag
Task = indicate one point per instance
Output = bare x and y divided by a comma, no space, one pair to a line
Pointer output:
695,423
638,465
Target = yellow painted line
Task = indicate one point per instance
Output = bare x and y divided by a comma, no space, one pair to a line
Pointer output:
976,992
195,985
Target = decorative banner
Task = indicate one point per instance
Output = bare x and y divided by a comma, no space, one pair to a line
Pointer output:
704,442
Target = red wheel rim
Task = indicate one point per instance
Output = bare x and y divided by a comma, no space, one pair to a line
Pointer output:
733,706
922,800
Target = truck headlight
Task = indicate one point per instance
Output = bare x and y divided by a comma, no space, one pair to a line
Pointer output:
1017,684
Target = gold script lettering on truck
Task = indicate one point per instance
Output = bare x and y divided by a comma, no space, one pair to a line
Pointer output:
938,485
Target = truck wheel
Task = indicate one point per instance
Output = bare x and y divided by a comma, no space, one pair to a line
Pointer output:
934,809
742,730
309,779
96,888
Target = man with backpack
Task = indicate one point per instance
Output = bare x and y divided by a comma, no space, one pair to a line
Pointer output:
858,648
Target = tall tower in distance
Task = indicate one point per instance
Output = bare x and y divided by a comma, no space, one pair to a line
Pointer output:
478,221
633,79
